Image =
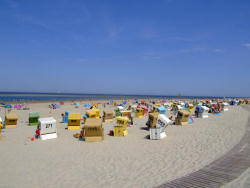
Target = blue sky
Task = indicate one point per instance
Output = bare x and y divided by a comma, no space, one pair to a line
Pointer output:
161,47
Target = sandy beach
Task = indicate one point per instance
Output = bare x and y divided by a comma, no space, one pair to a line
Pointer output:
131,161
173,75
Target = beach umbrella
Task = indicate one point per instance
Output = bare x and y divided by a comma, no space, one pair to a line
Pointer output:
54,106
87,105
120,107
17,106
8,106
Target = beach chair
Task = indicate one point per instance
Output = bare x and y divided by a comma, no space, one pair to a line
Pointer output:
198,111
93,131
121,128
117,112
152,119
215,108
1,124
161,110
182,117
94,113
108,115
126,113
122,121
204,113
74,121
158,132
139,113
10,121
47,128
120,131
33,118
145,110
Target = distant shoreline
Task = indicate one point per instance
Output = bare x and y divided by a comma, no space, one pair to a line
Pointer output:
12,97
106,95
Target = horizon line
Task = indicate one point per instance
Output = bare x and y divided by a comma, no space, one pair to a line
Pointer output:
116,94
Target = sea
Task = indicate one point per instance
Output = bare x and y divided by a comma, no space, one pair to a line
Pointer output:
29,96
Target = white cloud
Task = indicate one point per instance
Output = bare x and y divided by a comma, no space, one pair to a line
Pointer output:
113,32
148,57
191,50
218,50
246,45
30,20
178,38
201,49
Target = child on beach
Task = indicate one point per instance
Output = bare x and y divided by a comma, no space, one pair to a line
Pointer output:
37,132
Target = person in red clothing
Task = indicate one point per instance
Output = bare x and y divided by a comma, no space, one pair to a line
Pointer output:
82,133
37,132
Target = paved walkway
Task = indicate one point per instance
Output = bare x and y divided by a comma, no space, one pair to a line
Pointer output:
221,171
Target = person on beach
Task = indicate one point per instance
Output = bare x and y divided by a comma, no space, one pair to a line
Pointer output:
131,119
38,132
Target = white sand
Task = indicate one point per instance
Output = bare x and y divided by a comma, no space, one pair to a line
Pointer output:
131,161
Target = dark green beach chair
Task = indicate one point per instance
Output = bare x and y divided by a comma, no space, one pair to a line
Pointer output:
33,118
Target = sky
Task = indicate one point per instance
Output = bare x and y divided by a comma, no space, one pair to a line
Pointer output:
152,47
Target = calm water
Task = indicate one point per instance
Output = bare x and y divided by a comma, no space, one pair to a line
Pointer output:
11,96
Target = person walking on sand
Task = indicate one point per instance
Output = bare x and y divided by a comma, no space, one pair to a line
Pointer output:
131,119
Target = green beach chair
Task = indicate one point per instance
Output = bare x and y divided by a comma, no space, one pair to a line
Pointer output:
33,118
